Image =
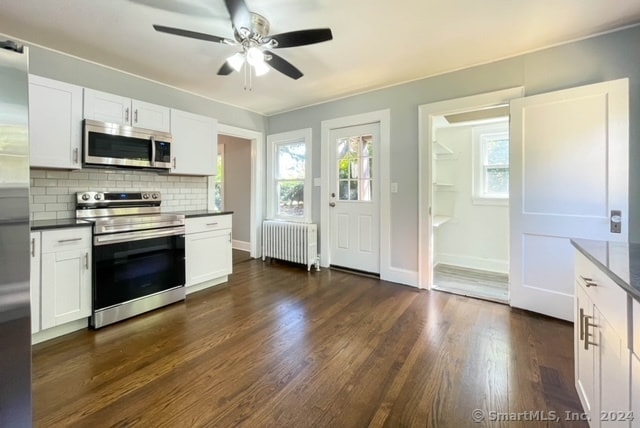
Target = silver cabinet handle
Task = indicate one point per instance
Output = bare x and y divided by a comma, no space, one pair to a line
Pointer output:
135,115
174,162
229,237
86,261
332,204
588,281
587,324
76,154
33,247
581,324
62,241
126,114
212,224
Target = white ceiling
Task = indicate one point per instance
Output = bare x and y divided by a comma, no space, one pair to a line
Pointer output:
376,43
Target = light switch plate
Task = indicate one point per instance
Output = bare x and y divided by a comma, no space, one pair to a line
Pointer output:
394,187
317,182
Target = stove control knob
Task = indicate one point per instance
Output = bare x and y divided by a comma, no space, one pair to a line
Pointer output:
154,195
97,196
85,197
145,196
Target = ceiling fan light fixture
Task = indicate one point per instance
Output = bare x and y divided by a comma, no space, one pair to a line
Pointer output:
236,61
255,56
260,68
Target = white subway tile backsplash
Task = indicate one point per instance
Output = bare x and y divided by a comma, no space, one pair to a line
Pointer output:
57,174
53,191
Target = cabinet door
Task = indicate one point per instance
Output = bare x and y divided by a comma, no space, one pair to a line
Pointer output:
612,370
635,388
107,107
66,286
584,358
194,145
150,116
35,282
208,256
55,123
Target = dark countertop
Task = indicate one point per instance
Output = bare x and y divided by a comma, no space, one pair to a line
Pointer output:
59,224
620,261
202,213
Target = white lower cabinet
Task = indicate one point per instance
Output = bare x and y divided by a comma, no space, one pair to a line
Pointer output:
65,285
208,251
34,282
602,351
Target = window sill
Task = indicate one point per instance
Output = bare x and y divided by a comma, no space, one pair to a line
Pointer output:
503,202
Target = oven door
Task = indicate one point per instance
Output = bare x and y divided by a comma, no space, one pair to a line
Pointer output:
132,265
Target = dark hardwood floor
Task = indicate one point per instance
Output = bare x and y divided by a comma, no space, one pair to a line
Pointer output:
280,347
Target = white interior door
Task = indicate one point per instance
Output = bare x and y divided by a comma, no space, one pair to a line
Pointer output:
354,190
569,172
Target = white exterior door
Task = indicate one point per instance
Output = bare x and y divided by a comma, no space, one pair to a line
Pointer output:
354,190
568,177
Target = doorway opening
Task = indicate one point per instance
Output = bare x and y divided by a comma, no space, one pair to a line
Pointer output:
464,195
470,203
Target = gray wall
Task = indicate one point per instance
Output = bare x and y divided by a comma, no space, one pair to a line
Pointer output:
601,58
237,184
53,65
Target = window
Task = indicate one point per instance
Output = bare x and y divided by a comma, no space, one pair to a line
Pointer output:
355,165
219,184
491,163
288,169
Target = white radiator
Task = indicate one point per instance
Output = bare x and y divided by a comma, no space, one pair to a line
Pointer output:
290,241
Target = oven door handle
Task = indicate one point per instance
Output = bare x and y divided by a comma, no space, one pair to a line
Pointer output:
117,238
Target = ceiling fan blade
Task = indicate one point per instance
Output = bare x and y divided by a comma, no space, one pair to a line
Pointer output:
225,70
240,14
283,66
191,34
302,37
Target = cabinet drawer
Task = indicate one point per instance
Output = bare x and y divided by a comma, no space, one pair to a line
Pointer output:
66,239
606,295
205,224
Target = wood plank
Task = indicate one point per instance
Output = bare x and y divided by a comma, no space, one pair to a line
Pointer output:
279,346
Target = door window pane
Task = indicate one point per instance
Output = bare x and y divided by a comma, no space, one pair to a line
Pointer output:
355,168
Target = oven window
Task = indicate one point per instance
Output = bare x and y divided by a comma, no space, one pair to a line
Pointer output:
118,147
129,270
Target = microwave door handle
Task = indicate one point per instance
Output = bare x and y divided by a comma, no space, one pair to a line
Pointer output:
153,151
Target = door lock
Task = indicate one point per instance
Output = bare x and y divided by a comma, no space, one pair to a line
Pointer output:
616,221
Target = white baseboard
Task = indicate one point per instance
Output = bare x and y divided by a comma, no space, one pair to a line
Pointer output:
59,330
492,265
400,276
197,287
240,245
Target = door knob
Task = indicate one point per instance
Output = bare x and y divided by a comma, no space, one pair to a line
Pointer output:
332,204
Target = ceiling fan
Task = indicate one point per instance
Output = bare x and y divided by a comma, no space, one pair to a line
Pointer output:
251,35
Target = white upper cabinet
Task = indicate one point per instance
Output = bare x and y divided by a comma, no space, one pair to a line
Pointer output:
55,123
194,145
112,108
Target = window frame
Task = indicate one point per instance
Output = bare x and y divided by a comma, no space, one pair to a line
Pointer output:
482,134
274,142
219,181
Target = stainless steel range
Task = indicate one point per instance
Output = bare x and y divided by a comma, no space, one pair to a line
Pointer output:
138,254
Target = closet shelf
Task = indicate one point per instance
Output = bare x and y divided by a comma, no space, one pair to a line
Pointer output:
439,220
440,149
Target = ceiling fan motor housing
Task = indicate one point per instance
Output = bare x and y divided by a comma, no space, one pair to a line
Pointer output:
259,30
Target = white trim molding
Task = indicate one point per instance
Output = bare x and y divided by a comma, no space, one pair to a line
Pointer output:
383,117
257,182
241,245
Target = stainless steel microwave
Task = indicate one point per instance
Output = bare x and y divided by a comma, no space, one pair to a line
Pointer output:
110,144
